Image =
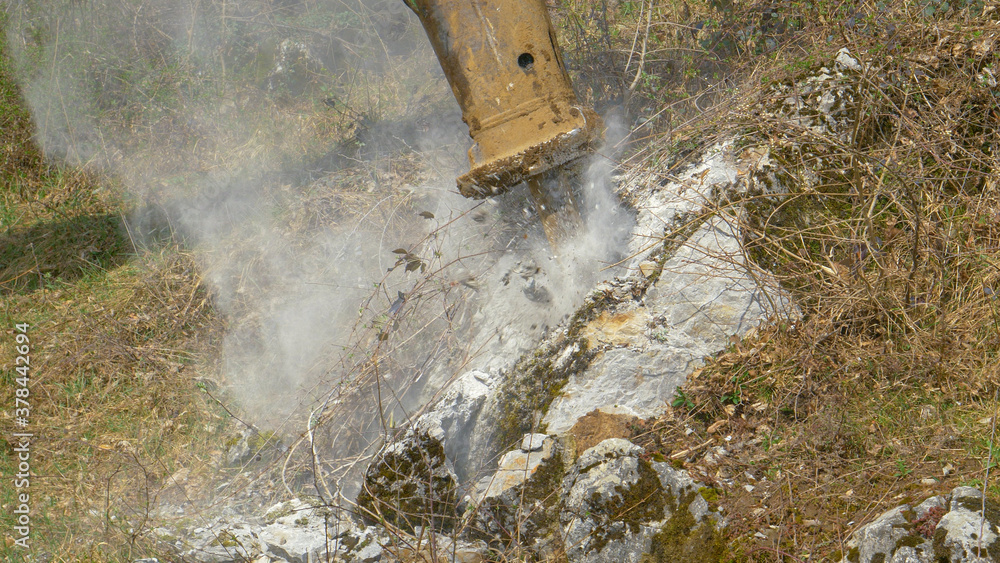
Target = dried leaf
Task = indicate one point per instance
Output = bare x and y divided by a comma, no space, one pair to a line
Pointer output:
401,251
717,425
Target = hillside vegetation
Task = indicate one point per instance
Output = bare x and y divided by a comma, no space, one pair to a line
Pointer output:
884,391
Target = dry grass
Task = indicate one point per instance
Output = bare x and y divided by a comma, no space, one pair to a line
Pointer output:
117,339
888,239
115,407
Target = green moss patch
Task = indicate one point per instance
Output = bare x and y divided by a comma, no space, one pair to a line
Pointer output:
682,540
410,486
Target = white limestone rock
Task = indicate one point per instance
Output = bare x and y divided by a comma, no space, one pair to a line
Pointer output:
453,418
298,532
521,497
943,528
517,467
705,294
223,541
607,480
613,479
964,533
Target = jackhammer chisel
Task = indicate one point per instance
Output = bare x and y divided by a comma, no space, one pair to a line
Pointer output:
506,71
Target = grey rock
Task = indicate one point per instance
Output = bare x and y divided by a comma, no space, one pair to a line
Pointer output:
844,60
708,292
663,210
608,449
823,102
283,510
522,496
410,483
655,374
361,546
612,479
907,554
239,453
533,442
942,528
705,294
609,480
679,485
879,539
678,482
369,553
298,533
224,542
294,67
442,548
537,292
967,534
962,496
452,419
253,446
293,531
704,276
715,455
934,502
517,466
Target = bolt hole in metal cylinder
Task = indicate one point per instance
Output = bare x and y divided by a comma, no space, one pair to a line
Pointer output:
526,61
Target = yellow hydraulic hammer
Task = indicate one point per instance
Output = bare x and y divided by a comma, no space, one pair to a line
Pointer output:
504,67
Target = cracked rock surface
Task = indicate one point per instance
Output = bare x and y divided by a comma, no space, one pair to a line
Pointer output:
702,291
616,504
291,531
958,527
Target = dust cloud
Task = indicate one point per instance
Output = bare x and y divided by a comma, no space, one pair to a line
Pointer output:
353,286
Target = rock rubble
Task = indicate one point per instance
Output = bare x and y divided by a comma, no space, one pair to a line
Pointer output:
958,527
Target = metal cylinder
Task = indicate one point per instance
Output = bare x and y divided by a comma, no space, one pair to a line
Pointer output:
504,67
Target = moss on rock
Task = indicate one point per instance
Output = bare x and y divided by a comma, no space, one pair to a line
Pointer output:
609,497
682,540
536,381
410,484
526,513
